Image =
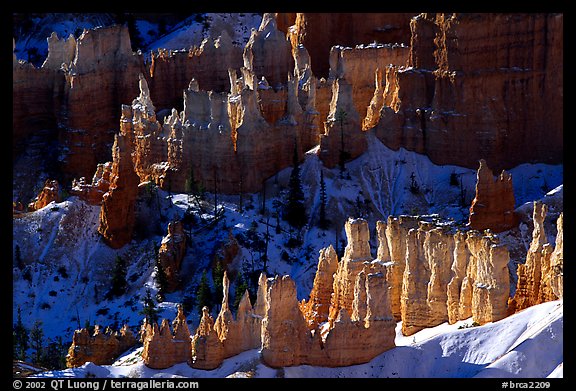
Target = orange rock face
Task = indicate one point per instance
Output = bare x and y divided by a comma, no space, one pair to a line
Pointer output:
93,192
117,211
486,76
342,139
50,193
540,278
318,32
100,76
493,206
99,348
317,308
164,348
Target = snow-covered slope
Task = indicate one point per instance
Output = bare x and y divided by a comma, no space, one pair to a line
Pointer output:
191,31
528,344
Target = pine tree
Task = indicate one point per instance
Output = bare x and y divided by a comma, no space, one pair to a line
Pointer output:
37,341
343,155
55,354
160,276
18,258
323,222
119,284
203,293
149,309
21,338
217,279
241,287
295,211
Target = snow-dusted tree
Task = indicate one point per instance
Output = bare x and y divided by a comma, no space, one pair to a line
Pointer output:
119,283
203,293
323,222
241,287
160,275
295,210
217,279
37,341
21,338
149,309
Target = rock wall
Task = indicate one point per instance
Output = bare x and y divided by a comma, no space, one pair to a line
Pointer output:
99,79
101,348
487,76
358,65
493,205
447,275
319,32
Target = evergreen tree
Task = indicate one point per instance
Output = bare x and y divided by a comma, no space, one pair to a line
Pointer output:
241,287
18,258
217,278
37,341
323,222
295,211
203,293
193,189
119,284
21,338
160,276
149,309
343,155
55,355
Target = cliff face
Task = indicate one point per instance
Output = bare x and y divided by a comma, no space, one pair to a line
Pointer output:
228,141
488,76
171,71
101,348
318,32
102,73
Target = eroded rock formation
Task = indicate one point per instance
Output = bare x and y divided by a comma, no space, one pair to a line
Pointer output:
487,76
171,253
316,309
101,348
93,192
448,275
164,347
540,277
50,193
493,206
557,261
117,210
319,32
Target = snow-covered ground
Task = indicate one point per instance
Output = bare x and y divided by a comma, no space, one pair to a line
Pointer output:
191,31
528,344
